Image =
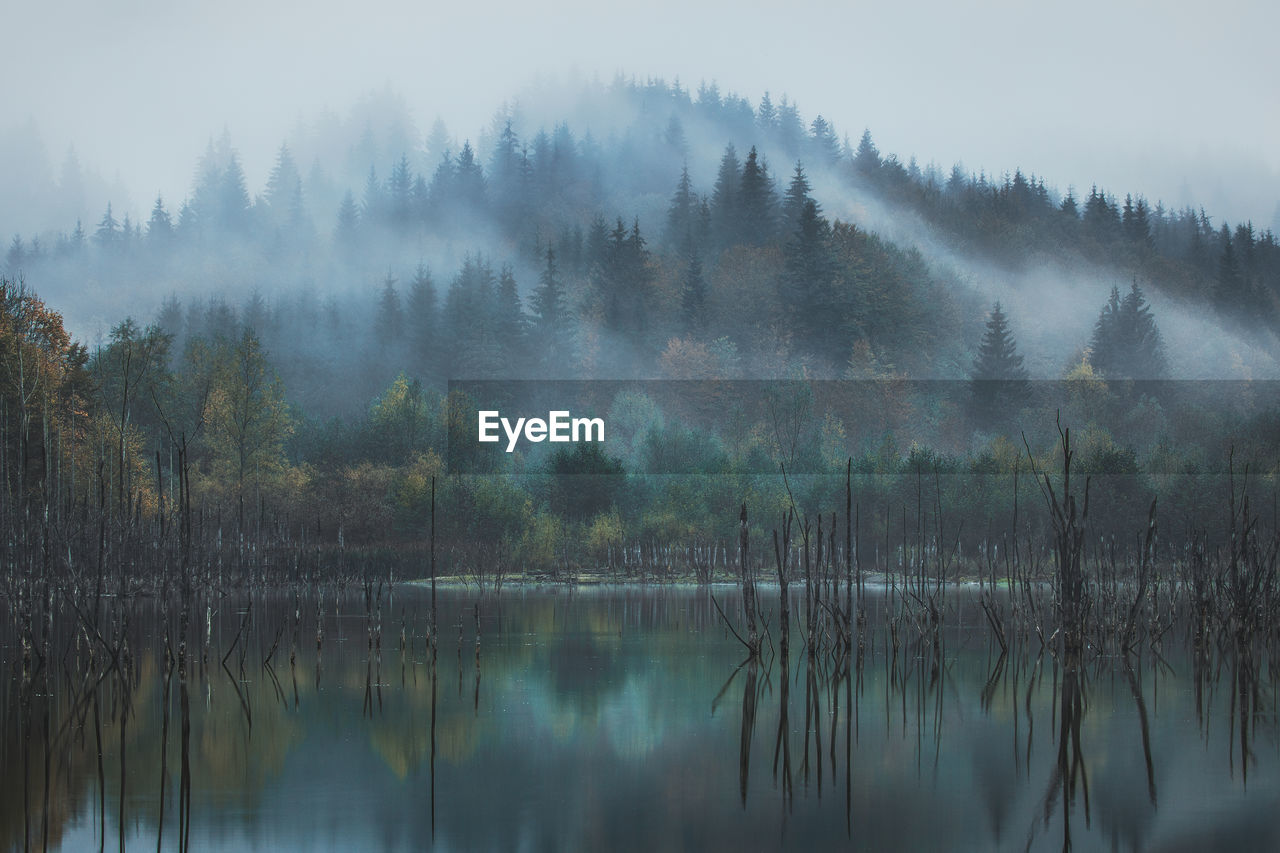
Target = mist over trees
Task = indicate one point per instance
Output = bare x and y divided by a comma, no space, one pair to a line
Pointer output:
673,215
298,336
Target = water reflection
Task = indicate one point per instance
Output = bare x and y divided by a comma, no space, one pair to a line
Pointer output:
620,719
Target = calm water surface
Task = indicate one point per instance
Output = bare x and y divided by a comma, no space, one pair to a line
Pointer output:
608,719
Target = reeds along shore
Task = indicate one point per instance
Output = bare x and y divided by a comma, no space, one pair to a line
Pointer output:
1045,575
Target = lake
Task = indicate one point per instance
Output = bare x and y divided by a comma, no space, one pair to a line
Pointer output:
620,718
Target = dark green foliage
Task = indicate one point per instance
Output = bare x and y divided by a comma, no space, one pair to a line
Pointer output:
421,321
866,160
1126,342
389,324
725,199
693,293
756,203
808,288
623,281
998,383
682,214
584,481
795,200
551,332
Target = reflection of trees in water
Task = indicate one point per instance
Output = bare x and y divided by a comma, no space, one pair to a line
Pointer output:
1099,783
1034,743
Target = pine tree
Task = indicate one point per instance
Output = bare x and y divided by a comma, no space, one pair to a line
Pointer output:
389,324
16,256
1126,342
998,383
233,206
823,141
1069,207
469,179
108,233
1146,347
795,200
439,143
866,160
767,115
400,193
683,211
511,321
281,184
159,226
1230,295
756,203
790,129
421,319
373,206
551,320
807,293
693,293
725,199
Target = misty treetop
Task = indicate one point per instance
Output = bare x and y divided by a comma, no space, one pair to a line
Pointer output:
642,226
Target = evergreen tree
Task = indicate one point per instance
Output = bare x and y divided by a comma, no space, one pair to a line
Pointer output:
389,323
507,185
682,214
725,199
373,207
794,202
281,185
767,114
205,202
469,179
159,226
510,320
1136,224
693,293
623,281
756,203
998,383
551,319
866,160
823,141
808,295
108,233
439,143
400,193
1068,206
1101,218
1126,342
790,128
1230,295
233,207
421,319
16,256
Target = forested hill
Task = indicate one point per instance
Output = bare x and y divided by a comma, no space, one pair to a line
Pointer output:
641,229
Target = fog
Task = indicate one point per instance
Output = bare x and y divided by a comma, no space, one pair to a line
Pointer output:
192,96
1179,103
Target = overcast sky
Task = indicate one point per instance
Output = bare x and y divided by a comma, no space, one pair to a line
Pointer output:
1176,100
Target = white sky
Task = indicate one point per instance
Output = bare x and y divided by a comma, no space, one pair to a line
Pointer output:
1174,99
